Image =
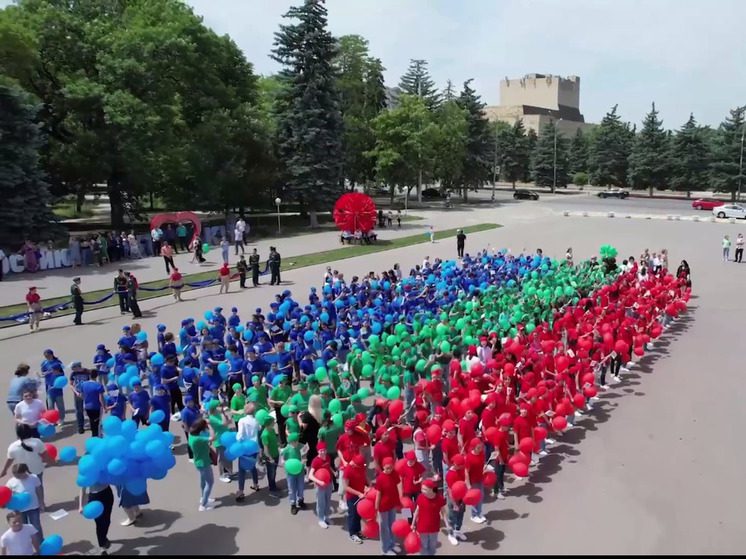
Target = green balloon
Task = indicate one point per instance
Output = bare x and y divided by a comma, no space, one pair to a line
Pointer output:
293,466
205,248
320,374
332,364
338,419
335,406
261,416
363,392
285,410
530,327
374,340
367,371
395,380
391,341
420,366
393,393
445,347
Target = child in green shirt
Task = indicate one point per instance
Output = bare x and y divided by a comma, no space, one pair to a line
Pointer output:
295,481
271,453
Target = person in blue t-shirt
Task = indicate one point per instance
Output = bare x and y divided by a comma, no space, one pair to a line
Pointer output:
55,398
234,320
284,360
191,383
169,347
170,380
139,403
209,381
78,375
93,400
189,415
306,364
101,357
162,401
161,336
114,401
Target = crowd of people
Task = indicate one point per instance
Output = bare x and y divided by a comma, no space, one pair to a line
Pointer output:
409,397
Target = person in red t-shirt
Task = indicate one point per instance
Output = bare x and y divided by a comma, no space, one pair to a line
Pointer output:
449,445
224,276
411,475
522,427
388,500
427,516
467,427
356,488
383,448
323,488
474,477
455,508
176,282
33,301
347,447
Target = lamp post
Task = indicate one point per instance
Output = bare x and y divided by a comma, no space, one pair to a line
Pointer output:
740,163
554,163
277,203
494,167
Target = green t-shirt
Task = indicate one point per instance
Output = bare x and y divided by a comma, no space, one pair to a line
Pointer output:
281,393
238,403
292,425
300,401
291,451
270,444
216,422
200,445
330,435
259,397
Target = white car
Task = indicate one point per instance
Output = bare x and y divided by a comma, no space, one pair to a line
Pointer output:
729,210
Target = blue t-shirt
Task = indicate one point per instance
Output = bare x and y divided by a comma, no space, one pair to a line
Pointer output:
118,403
169,348
210,382
140,401
91,389
190,415
162,403
77,378
170,372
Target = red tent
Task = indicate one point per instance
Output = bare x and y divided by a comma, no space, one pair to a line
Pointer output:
176,218
355,211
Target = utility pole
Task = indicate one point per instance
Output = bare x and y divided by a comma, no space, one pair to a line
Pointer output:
554,164
740,163
494,166
419,148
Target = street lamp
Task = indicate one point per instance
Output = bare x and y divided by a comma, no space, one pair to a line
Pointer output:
277,203
494,166
740,163
554,164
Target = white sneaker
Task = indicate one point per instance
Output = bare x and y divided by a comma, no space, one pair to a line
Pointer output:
543,453
478,519
225,479
615,380
355,538
323,524
208,507
578,414
191,460
604,387
500,496
595,399
461,536
342,505
452,539
550,441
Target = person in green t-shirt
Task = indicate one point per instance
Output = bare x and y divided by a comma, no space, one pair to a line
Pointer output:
238,403
279,396
295,481
270,453
219,422
199,442
292,425
259,393
300,398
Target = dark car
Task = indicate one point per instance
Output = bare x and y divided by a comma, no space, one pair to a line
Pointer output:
524,194
614,193
432,193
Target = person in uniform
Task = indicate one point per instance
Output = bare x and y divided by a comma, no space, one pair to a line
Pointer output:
242,267
77,296
274,266
254,264
132,287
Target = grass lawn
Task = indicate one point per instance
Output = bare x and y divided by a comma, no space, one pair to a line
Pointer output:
65,209
289,263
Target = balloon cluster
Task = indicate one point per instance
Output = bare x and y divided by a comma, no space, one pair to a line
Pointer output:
608,251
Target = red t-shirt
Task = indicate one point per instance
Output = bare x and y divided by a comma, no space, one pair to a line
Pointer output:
449,447
502,445
428,519
224,271
408,475
32,298
356,479
381,450
387,485
452,476
420,439
319,463
468,429
176,276
475,465
522,427
347,447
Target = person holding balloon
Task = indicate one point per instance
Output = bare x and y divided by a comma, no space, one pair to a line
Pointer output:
388,499
428,513
200,439
321,475
98,508
291,457
28,496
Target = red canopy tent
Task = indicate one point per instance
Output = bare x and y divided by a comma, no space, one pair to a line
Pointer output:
176,218
355,211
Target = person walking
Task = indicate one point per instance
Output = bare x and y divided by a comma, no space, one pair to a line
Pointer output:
120,288
181,234
739,248
430,510
242,267
726,248
197,247
176,282
167,252
238,235
199,442
156,234
254,264
225,247
460,242
92,392
104,495
224,277
33,303
132,287
77,300
79,375
431,233
274,266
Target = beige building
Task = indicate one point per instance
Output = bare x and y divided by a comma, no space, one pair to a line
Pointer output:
537,99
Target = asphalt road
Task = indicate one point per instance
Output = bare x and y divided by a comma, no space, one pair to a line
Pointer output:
656,469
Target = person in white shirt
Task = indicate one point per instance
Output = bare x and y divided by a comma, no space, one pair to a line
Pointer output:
247,430
134,245
28,450
25,482
156,234
28,411
20,538
238,235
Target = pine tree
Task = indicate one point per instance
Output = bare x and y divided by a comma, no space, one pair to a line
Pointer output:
578,154
543,173
531,141
726,172
479,144
609,152
690,156
417,81
513,152
310,126
25,212
648,162
375,88
449,94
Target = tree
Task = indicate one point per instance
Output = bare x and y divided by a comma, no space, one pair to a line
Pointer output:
417,81
690,157
310,125
578,153
609,152
512,149
450,146
479,145
726,169
648,162
449,94
531,141
550,155
25,212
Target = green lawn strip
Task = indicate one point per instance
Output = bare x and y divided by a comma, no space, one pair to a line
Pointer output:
289,263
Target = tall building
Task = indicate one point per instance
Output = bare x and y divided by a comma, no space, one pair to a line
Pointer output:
537,99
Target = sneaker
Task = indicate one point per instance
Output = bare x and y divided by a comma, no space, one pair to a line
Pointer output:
461,536
301,505
478,519
293,510
323,524
209,506
390,552
452,539
543,453
356,539
225,479
500,496
595,399
127,522
343,506
191,460
604,387
550,441
240,498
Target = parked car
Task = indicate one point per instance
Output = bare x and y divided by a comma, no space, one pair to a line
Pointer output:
432,193
614,193
706,204
729,210
525,194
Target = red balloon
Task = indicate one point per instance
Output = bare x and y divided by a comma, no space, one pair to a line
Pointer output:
561,363
518,457
589,378
354,211
5,494
489,479
396,408
620,346
590,391
559,422
405,432
509,369
491,435
401,528
322,475
407,503
639,350
505,420
477,369
526,445
520,469
371,530
51,416
458,491
412,543
372,494
472,497
433,434
366,509
51,450
400,466
540,433
655,331
578,400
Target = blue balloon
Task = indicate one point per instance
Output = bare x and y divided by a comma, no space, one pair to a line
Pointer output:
157,416
250,447
116,467
93,443
112,425
248,335
209,316
60,382
51,545
68,454
93,510
157,359
233,452
115,447
137,450
308,336
129,429
240,328
132,370
201,325
277,380
228,439
88,465
142,336
19,501
155,449
110,362
223,368
246,462
324,317
46,430
85,480
136,486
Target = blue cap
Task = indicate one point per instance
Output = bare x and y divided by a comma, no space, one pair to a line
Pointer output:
112,386
160,387
126,328
258,310
100,347
274,304
234,309
286,293
49,351
218,309
183,323
162,327
135,382
75,364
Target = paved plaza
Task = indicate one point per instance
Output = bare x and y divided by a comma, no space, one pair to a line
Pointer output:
656,468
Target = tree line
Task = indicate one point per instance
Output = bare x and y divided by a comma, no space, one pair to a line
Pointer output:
141,97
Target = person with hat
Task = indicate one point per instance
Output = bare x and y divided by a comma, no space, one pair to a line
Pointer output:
428,513
248,430
270,453
224,277
237,403
356,487
200,441
295,481
475,475
139,403
79,375
51,370
254,265
115,403
278,397
33,302
274,262
456,507
242,267
161,401
100,359
132,287
412,474
120,288
388,499
77,300
92,392
220,422
323,488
